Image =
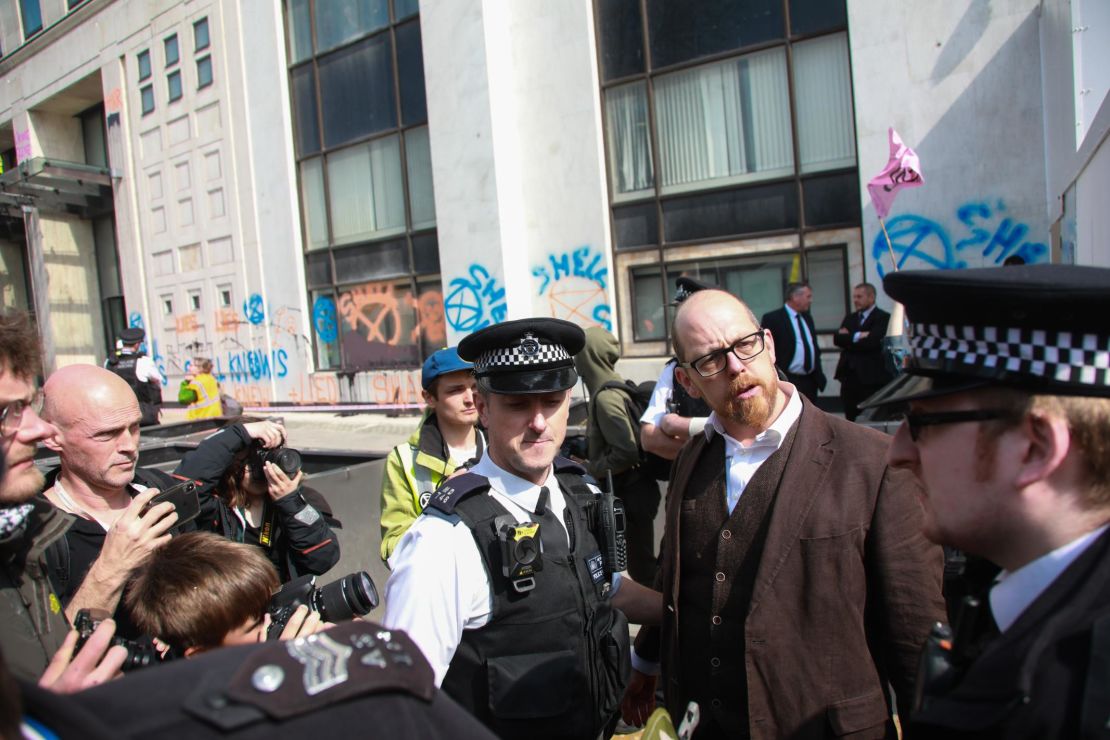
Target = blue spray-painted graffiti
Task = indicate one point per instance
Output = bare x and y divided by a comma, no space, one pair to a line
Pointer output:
575,285
254,310
921,242
135,320
159,361
252,364
325,319
474,302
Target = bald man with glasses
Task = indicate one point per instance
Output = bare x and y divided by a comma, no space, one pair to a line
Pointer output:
797,582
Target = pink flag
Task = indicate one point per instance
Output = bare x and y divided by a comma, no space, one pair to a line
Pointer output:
902,171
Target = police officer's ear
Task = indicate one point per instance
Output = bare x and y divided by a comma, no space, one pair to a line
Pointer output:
482,406
1045,441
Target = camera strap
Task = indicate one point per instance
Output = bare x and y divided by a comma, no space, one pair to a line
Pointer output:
266,531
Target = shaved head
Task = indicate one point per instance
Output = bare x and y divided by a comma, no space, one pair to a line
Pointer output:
711,297
96,421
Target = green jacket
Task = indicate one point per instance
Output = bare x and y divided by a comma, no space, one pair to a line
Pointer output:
610,437
413,471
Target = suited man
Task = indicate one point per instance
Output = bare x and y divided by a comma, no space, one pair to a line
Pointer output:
796,582
1007,429
861,370
798,356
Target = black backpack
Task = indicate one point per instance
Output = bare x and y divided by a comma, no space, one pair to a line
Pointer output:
637,396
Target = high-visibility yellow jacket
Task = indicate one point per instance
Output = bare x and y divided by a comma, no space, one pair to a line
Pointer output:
207,393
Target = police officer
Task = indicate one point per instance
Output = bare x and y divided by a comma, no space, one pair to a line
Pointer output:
1007,427
532,645
356,680
131,363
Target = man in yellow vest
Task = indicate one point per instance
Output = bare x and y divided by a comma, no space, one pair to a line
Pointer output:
201,391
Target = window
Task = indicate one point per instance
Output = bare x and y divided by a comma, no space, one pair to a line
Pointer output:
356,83
167,305
146,94
204,72
172,54
31,14
200,35
71,4
143,61
194,300
725,148
225,295
173,84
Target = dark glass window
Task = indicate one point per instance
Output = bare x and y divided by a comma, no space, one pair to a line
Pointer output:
356,91
204,72
146,94
71,4
410,73
831,200
299,18
681,30
31,14
622,38
377,260
304,110
402,9
173,84
649,316
637,225
200,35
812,16
318,269
143,61
172,53
340,21
731,213
425,254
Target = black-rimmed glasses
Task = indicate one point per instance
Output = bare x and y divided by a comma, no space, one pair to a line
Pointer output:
745,348
12,414
916,422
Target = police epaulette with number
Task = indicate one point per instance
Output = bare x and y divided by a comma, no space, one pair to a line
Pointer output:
566,465
451,492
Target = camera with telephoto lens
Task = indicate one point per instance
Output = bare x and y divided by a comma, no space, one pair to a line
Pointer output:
286,458
351,596
139,654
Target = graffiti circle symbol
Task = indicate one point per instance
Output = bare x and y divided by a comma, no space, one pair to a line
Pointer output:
254,309
463,307
325,319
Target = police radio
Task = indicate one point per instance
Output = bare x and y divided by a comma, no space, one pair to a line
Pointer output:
609,512
520,551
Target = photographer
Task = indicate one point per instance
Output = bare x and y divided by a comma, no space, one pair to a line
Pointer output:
200,592
250,500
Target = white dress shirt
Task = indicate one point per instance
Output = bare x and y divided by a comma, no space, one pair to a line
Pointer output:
1012,593
862,318
661,396
742,461
438,586
798,363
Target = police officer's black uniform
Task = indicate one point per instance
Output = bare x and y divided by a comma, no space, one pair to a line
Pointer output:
123,363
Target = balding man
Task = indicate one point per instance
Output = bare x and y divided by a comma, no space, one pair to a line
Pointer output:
95,416
797,582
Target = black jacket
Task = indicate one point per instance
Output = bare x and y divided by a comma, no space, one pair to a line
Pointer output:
1047,676
862,362
782,329
303,541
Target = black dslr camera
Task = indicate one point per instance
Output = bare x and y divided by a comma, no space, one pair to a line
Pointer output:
286,458
139,654
351,596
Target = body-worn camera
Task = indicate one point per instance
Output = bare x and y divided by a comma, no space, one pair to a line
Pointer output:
139,654
286,458
351,596
520,551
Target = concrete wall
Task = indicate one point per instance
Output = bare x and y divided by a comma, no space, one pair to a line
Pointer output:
515,125
960,81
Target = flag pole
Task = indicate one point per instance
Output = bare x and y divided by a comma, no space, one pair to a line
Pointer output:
889,246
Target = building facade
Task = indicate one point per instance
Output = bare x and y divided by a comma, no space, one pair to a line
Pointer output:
316,194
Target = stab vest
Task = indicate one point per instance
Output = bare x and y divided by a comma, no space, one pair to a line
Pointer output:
123,365
552,662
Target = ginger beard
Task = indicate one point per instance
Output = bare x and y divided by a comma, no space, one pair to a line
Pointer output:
755,410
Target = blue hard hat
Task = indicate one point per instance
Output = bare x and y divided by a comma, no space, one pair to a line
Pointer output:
440,363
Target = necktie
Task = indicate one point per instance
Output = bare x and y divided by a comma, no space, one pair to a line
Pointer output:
552,535
808,358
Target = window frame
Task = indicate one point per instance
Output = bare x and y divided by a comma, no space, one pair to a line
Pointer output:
197,25
166,42
172,75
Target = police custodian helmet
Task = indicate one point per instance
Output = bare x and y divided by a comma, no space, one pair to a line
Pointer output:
1037,328
524,356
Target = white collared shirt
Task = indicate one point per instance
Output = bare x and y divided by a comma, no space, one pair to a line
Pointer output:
438,586
741,462
798,362
1014,592
862,318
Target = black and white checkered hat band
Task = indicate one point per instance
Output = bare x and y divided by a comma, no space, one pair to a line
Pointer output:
528,352
1056,356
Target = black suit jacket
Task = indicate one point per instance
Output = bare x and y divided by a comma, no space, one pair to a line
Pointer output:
782,329
862,362
1045,676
